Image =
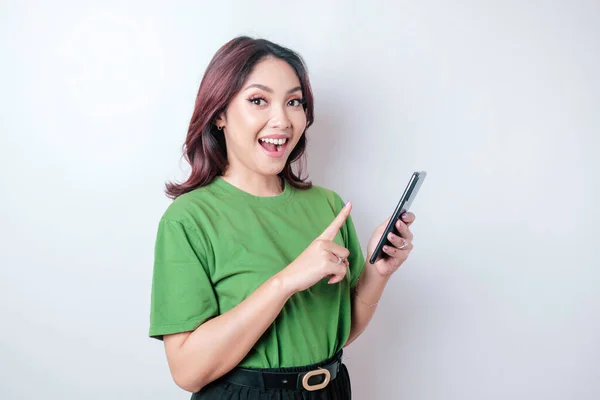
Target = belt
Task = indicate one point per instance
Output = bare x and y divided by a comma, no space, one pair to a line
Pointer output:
315,377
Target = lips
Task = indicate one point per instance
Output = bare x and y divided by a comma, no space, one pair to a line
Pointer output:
274,146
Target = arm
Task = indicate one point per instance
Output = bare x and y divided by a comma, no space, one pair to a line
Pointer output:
199,357
370,289
374,278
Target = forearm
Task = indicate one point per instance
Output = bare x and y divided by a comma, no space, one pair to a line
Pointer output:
365,297
218,345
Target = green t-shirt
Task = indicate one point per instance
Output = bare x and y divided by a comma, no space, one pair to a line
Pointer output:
217,244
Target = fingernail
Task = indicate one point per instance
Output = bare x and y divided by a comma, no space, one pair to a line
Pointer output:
390,236
347,203
405,216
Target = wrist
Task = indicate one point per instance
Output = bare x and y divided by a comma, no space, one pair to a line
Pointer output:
370,286
371,273
282,284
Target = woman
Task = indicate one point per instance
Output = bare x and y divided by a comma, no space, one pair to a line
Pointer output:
259,279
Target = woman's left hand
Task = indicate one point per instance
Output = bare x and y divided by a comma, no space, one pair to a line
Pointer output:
402,245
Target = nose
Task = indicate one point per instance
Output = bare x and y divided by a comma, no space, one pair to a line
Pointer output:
279,118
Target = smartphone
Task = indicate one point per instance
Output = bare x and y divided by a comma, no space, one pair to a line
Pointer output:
415,182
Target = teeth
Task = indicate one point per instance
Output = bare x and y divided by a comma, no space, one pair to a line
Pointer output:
274,141
279,147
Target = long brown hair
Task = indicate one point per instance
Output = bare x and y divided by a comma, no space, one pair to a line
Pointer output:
204,147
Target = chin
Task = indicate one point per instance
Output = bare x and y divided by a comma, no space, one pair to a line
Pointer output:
271,165
272,170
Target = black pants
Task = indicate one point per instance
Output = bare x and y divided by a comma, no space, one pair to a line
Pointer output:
337,389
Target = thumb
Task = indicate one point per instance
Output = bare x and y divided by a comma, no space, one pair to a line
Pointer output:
381,227
333,228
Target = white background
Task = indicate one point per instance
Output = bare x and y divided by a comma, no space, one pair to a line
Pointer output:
498,100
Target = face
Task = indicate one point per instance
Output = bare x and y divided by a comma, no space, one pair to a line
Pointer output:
265,120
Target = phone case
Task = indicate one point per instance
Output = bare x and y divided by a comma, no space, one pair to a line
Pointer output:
410,192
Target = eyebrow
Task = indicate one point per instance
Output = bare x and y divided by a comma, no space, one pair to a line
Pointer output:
268,89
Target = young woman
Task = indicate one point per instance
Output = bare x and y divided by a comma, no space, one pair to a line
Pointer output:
259,278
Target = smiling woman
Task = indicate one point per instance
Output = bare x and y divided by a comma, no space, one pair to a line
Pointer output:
254,266
266,90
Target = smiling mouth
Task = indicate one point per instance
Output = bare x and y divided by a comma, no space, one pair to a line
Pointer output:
273,145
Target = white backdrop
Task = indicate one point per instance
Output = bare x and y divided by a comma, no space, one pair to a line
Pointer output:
498,100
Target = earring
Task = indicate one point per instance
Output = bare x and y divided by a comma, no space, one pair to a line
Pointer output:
220,128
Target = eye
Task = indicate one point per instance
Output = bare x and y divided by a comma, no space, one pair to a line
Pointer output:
296,102
258,101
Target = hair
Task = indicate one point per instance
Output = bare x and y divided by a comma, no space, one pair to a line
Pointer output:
204,148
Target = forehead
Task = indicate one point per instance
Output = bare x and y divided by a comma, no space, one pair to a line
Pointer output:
275,73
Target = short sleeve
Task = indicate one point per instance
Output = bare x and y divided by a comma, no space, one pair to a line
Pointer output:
182,295
356,259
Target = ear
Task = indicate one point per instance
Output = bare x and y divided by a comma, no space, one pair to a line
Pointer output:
220,120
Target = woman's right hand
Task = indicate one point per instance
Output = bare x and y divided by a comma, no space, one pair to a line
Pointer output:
320,259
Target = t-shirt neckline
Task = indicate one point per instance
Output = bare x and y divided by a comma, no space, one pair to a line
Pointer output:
248,198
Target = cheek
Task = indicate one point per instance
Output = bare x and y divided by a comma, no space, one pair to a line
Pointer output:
299,121
249,122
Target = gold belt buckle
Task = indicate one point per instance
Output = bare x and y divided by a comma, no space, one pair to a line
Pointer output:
318,371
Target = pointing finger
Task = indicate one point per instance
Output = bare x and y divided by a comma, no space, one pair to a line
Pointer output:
333,228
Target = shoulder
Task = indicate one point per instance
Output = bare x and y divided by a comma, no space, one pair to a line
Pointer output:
191,206
188,219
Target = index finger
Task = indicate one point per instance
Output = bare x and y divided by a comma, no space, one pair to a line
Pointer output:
333,228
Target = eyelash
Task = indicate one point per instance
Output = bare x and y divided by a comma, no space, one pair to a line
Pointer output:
252,100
